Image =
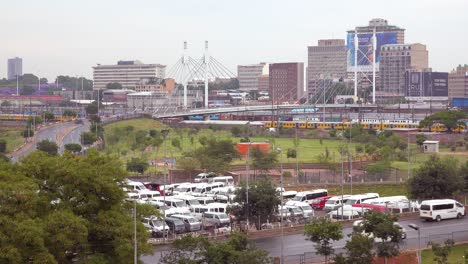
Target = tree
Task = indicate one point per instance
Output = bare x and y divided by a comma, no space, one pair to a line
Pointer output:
236,131
137,165
114,86
73,147
73,82
291,153
420,138
199,250
92,108
48,147
68,112
28,132
67,209
263,162
188,165
3,146
48,116
214,155
449,118
358,250
441,253
176,143
382,227
464,173
263,202
95,127
322,231
436,179
88,138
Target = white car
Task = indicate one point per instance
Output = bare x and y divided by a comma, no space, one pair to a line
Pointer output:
305,207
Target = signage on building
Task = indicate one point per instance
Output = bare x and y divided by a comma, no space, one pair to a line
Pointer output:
426,84
365,54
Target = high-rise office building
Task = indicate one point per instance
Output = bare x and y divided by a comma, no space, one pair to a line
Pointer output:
458,82
248,76
15,68
127,73
385,34
327,59
395,60
286,81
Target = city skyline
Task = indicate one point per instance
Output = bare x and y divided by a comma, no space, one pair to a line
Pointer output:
68,38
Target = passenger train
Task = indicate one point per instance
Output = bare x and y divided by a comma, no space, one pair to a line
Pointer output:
381,125
14,117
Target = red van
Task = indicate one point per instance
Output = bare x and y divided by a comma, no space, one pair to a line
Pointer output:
319,203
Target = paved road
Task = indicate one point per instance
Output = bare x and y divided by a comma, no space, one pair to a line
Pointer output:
52,133
430,231
74,135
295,245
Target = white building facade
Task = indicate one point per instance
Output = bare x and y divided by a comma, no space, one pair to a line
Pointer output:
248,75
127,73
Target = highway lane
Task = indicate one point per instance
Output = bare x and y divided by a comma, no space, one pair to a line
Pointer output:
74,135
430,231
51,133
295,245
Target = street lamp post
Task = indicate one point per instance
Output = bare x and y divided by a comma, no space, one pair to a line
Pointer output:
417,228
135,253
247,183
164,133
281,209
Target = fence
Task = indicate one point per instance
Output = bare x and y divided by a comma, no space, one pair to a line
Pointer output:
407,244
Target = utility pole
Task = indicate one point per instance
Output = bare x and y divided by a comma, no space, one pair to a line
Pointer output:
164,134
247,181
281,214
135,234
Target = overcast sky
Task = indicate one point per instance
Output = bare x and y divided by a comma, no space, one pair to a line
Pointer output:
70,36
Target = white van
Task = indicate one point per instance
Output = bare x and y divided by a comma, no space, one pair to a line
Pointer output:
198,211
305,207
360,198
344,214
227,180
135,186
185,188
204,177
441,209
191,201
309,196
217,207
335,202
205,187
205,200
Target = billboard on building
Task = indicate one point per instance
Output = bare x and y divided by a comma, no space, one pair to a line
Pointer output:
426,84
365,54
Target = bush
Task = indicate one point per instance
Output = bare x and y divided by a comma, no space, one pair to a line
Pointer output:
88,138
72,147
137,165
287,174
68,112
49,147
27,133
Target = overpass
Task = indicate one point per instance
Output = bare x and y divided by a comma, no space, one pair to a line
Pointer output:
222,110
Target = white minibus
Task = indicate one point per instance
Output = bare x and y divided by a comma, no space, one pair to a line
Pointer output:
309,196
441,209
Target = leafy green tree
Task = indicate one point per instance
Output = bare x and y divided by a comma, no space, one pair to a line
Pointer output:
69,112
67,209
291,153
92,108
48,147
441,253
73,147
359,250
264,162
95,118
28,132
236,131
382,227
3,146
73,82
322,231
137,165
420,139
436,179
263,202
188,165
48,116
88,138
95,127
215,155
449,118
34,120
199,250
175,142
464,173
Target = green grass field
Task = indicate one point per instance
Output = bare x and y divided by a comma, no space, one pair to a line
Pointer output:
12,136
456,255
308,149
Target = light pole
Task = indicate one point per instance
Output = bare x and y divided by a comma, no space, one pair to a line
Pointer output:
135,233
416,227
281,209
247,167
164,133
